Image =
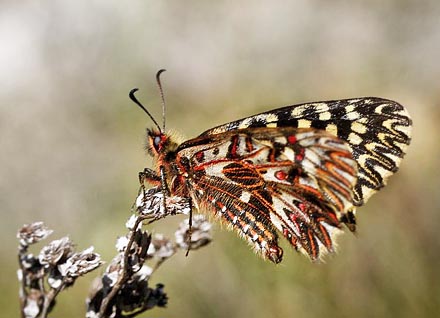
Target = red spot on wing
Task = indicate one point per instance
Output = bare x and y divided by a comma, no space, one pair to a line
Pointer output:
291,139
300,155
200,156
281,175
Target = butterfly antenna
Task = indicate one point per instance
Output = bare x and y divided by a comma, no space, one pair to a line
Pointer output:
159,84
135,100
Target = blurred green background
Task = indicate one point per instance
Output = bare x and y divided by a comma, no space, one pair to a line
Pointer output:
72,143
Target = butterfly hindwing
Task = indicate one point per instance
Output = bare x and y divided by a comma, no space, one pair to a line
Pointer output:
298,181
377,130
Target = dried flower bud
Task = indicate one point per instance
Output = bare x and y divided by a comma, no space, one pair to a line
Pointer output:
113,270
33,304
31,309
56,252
177,205
150,203
200,233
29,261
115,264
20,275
32,270
80,263
144,273
33,233
157,297
92,312
141,242
121,243
55,280
161,247
139,248
131,222
111,278
137,296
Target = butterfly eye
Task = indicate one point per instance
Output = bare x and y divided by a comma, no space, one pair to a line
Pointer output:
157,140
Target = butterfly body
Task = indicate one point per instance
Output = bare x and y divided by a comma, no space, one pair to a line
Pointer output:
299,170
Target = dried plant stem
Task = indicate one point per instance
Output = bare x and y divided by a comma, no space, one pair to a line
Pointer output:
49,298
22,289
122,279
58,265
160,262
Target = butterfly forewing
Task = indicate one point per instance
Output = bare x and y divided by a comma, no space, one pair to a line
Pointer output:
299,181
377,130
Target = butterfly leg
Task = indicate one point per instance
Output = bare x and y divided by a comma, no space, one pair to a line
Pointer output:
163,182
151,176
165,189
189,226
147,175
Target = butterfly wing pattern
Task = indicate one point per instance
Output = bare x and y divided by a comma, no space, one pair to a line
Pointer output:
299,170
377,130
298,181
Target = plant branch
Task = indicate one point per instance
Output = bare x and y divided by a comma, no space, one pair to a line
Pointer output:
124,276
49,298
22,292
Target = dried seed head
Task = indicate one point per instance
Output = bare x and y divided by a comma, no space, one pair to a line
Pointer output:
80,263
137,296
33,233
32,270
113,270
200,233
56,252
144,273
55,280
161,247
150,203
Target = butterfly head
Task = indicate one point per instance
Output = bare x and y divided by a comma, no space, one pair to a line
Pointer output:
159,144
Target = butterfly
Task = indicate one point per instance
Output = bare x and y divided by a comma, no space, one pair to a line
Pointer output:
299,171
